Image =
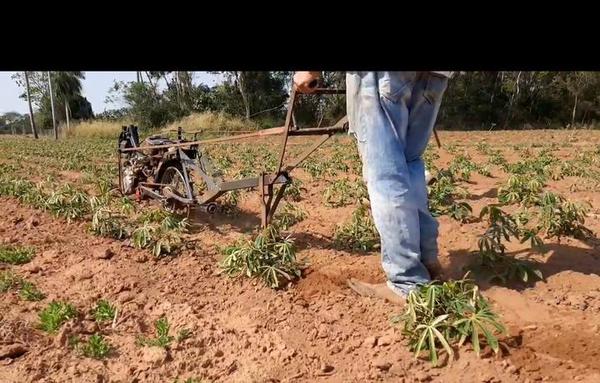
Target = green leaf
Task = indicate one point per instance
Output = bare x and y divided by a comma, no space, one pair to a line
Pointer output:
439,319
475,339
492,341
432,348
444,342
419,345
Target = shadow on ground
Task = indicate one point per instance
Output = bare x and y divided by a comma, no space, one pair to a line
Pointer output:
560,257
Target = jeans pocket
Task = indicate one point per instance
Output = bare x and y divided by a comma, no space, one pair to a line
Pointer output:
435,88
395,85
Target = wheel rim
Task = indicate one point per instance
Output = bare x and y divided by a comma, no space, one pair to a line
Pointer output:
176,183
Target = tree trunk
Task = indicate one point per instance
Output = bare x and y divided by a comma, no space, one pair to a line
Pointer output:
574,111
178,90
185,79
52,105
33,129
584,116
67,110
240,77
494,88
183,91
149,79
166,80
152,84
512,100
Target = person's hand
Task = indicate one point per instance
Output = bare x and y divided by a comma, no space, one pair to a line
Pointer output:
306,82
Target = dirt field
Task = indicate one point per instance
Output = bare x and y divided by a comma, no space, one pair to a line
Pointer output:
316,329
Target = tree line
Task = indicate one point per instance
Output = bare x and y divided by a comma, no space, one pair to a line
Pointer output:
473,100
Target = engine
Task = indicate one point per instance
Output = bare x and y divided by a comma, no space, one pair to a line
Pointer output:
129,180
141,166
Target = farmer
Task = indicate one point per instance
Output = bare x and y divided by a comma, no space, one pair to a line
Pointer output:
392,114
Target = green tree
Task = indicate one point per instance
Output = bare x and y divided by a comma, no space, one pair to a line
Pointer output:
28,94
38,86
67,87
511,99
578,85
145,104
319,110
253,93
14,122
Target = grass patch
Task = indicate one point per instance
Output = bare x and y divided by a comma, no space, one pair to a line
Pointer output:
96,346
30,292
8,281
162,339
104,311
15,255
210,123
27,290
95,129
57,313
183,335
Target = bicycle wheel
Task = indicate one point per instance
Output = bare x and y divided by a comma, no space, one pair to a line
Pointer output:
173,180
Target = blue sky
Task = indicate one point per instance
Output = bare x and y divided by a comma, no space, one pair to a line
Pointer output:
95,88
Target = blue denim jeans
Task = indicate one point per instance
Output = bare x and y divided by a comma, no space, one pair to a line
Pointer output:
392,115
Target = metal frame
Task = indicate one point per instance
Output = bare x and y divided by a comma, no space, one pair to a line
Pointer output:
216,186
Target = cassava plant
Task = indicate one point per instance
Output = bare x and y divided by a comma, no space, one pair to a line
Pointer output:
106,223
293,190
161,231
521,189
67,202
440,315
359,233
270,256
442,198
561,217
344,191
462,166
289,216
492,258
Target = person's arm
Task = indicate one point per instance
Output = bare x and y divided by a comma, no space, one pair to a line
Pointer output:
306,82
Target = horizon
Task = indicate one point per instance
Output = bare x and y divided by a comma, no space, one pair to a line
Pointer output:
95,88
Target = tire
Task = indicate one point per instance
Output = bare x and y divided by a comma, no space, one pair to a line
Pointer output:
173,176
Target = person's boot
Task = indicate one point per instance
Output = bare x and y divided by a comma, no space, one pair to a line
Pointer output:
436,272
378,290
